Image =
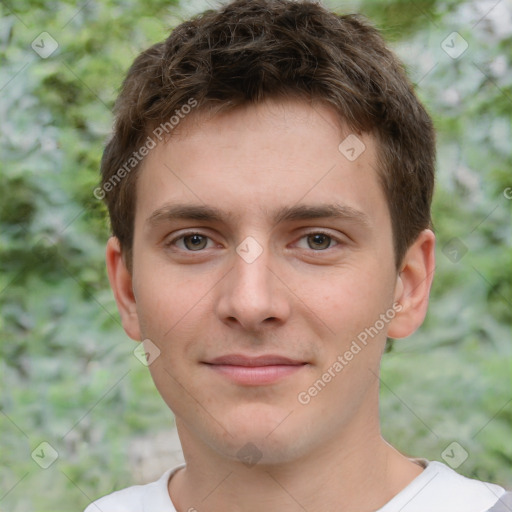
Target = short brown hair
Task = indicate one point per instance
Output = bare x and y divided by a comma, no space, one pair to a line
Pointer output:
252,50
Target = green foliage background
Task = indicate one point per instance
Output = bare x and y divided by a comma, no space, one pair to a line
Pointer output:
67,372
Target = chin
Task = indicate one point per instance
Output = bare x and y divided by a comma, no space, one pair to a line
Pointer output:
261,434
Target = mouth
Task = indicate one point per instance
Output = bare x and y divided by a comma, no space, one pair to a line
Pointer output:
255,371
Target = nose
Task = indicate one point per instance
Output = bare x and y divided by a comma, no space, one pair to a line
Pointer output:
252,296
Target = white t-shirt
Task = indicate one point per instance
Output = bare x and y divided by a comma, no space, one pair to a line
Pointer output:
437,489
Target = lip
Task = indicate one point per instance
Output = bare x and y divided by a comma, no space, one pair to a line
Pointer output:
251,361
255,371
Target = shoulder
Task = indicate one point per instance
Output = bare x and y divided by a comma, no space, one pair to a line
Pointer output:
152,497
126,500
442,489
504,504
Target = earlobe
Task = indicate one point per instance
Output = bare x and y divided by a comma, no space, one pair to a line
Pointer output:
413,285
121,282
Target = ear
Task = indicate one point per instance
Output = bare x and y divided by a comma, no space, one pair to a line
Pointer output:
413,285
121,282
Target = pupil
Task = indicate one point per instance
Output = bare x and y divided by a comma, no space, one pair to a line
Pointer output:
319,241
195,242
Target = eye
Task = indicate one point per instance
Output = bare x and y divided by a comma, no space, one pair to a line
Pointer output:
318,241
191,242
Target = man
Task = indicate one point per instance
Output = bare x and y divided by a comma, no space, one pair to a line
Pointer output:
269,183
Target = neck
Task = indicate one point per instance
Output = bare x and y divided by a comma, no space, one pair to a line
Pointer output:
356,472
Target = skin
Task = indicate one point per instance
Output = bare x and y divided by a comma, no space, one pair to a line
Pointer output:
307,304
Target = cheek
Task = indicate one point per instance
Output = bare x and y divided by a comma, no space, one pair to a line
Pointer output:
166,298
350,300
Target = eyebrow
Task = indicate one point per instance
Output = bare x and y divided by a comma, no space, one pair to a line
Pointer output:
287,213
322,211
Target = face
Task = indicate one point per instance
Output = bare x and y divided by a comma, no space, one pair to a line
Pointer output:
262,256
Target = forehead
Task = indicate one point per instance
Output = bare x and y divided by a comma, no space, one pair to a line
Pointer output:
254,160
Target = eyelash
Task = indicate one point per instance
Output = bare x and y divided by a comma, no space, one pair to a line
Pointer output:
192,233
185,235
325,233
